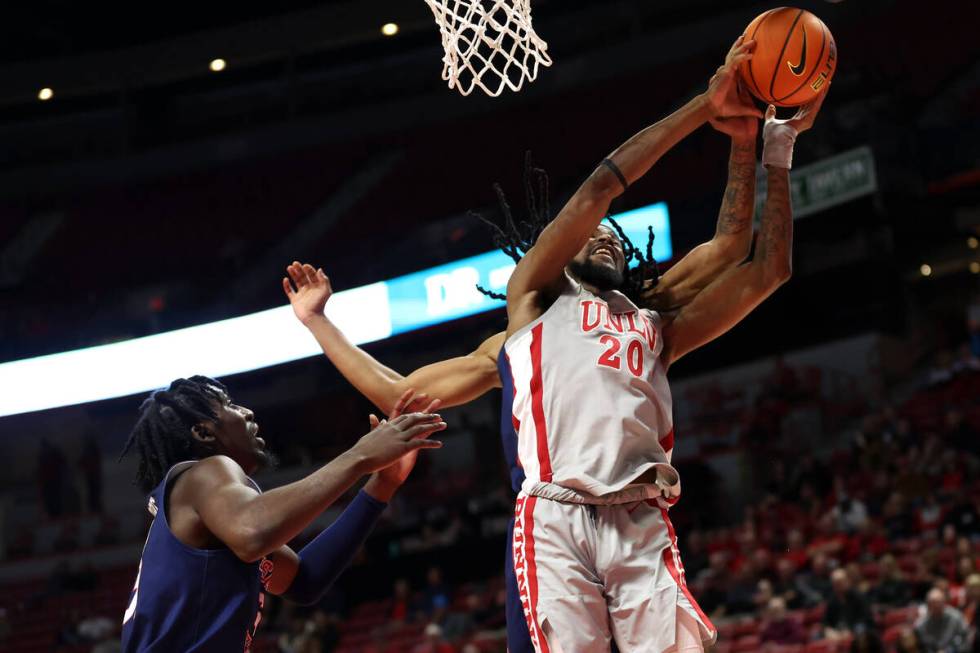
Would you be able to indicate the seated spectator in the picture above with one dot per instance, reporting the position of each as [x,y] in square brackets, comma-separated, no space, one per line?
[908,642]
[401,602]
[846,609]
[779,627]
[435,600]
[942,629]
[892,588]
[95,628]
[434,642]
[815,585]
[785,584]
[866,640]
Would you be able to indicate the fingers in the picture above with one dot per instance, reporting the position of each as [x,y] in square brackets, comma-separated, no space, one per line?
[409,420]
[423,431]
[310,273]
[402,402]
[295,271]
[770,112]
[373,421]
[415,445]
[287,287]
[433,406]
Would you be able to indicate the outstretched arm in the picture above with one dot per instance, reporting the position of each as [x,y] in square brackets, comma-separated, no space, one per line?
[454,381]
[541,270]
[728,299]
[733,232]
[253,525]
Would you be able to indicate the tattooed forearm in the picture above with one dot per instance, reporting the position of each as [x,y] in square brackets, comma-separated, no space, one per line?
[775,241]
[735,216]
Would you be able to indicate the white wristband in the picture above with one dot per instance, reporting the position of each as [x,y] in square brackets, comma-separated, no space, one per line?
[777,144]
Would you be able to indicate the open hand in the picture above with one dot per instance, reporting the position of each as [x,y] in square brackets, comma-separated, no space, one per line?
[722,95]
[390,440]
[396,473]
[311,292]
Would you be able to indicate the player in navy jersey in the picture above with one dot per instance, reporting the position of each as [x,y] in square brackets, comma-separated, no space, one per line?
[217,543]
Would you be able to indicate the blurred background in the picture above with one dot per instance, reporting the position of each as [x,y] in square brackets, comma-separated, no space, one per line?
[181,156]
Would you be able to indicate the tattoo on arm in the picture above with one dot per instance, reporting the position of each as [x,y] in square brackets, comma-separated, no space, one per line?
[739,202]
[776,231]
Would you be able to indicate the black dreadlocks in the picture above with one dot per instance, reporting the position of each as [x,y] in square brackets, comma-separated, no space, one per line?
[162,435]
[515,238]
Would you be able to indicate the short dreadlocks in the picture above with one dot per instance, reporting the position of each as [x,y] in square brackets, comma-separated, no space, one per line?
[515,238]
[162,435]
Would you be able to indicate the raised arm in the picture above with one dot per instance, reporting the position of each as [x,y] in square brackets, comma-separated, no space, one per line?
[732,239]
[541,270]
[728,299]
[454,381]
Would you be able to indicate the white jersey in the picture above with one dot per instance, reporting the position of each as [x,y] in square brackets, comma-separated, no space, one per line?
[591,401]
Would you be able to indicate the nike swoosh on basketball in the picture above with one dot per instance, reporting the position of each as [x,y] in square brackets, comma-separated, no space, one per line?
[798,68]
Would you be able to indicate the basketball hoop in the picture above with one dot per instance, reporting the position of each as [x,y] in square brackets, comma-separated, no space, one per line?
[488,43]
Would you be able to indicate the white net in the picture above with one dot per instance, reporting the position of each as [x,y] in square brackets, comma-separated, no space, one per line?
[489,44]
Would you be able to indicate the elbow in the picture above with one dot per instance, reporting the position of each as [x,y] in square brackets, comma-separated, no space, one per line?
[777,275]
[251,545]
[601,188]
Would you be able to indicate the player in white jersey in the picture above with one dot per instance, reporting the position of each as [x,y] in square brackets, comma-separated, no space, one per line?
[594,551]
[461,379]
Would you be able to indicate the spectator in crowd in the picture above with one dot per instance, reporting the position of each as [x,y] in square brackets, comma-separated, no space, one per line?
[401,602]
[866,641]
[95,628]
[815,585]
[435,600]
[779,627]
[942,629]
[434,642]
[908,642]
[846,609]
[892,588]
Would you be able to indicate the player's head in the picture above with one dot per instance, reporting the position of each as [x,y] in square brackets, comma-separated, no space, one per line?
[192,419]
[601,261]
[515,238]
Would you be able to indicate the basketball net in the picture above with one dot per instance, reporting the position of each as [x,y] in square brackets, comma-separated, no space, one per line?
[489,44]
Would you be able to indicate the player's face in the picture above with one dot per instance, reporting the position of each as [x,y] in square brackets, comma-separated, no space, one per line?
[601,261]
[237,436]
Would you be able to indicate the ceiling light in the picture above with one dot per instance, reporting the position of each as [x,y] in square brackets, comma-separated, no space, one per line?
[925,269]
[972,242]
[389,29]
[217,65]
[45,94]
[975,267]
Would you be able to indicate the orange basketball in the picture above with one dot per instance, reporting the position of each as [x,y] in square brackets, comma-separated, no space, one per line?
[795,56]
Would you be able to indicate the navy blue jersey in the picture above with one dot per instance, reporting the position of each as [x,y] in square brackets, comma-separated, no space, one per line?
[508,424]
[188,599]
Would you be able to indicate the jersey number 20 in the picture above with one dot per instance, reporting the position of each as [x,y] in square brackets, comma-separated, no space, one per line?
[612,358]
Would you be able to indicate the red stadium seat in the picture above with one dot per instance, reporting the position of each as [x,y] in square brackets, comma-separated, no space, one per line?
[746,644]
[821,646]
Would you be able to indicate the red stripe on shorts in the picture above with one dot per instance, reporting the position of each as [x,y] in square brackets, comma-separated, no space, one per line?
[675,573]
[537,404]
[532,570]
[667,442]
[526,569]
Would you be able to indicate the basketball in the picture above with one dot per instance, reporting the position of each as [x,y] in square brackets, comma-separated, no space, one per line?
[795,57]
